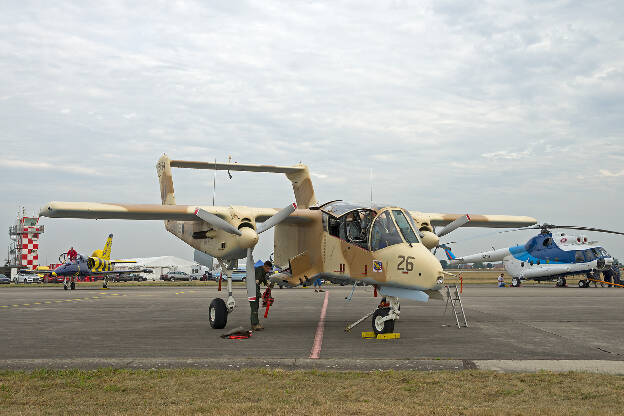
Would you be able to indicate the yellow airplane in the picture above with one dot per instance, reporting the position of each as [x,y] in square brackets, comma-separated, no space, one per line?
[98,264]
[385,246]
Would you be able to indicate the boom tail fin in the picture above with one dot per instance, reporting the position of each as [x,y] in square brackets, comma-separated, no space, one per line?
[163,168]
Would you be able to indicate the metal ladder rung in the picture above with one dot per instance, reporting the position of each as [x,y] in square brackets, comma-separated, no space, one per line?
[457,306]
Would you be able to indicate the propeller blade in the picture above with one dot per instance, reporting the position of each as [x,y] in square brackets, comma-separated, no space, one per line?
[251,276]
[277,218]
[453,225]
[217,222]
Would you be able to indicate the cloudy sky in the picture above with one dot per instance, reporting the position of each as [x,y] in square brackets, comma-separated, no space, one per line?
[480,107]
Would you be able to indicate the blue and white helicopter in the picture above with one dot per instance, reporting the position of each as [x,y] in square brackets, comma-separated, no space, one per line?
[550,256]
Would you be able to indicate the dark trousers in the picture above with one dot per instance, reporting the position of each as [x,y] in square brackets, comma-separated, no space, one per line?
[254,307]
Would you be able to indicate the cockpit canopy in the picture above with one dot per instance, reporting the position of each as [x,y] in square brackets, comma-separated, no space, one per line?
[369,228]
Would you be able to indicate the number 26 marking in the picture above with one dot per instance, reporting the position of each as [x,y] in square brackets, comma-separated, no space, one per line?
[405,263]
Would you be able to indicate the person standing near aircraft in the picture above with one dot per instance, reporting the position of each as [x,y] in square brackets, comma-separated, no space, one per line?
[501,280]
[72,254]
[261,273]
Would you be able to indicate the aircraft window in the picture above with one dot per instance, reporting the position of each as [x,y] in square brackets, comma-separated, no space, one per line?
[589,255]
[596,252]
[547,242]
[384,232]
[352,227]
[333,226]
[603,251]
[404,227]
[578,257]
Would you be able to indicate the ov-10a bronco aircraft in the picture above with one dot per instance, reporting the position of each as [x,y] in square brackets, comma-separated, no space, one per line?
[385,246]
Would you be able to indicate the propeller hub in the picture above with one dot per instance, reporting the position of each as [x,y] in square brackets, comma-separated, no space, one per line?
[248,237]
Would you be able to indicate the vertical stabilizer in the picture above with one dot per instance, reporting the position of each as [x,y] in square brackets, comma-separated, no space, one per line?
[163,168]
[302,187]
[106,253]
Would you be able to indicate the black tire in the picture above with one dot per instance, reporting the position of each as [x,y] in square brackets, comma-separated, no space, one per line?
[515,282]
[72,285]
[217,313]
[581,283]
[172,279]
[388,326]
[561,282]
[65,287]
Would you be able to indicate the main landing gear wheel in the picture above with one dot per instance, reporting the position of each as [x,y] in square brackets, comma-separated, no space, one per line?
[217,313]
[515,282]
[561,282]
[380,326]
[583,283]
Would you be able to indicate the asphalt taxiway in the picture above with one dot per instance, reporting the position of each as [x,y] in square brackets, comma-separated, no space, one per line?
[510,329]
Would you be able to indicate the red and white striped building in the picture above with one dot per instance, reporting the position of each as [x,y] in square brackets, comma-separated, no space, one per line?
[24,247]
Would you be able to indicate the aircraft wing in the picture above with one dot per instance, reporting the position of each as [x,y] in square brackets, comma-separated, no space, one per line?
[108,273]
[477,220]
[94,210]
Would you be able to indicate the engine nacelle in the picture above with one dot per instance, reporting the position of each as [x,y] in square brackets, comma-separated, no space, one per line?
[429,239]
[97,264]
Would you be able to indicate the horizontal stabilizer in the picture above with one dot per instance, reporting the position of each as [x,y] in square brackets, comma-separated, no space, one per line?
[402,293]
[189,164]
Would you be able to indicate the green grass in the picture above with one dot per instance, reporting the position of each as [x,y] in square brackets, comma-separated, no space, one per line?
[269,392]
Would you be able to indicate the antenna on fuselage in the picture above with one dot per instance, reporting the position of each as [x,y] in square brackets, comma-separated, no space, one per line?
[371,187]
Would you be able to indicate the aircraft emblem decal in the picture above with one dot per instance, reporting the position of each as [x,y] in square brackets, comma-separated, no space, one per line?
[377,266]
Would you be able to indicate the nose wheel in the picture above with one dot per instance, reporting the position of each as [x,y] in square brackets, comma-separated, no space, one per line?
[386,315]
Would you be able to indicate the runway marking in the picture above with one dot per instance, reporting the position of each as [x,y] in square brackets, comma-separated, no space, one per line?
[318,338]
[25,304]
[37,303]
[4,306]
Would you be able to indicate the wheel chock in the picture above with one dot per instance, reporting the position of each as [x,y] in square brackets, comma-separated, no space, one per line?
[393,335]
[371,335]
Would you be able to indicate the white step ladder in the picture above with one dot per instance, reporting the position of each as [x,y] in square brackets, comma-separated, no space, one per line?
[453,296]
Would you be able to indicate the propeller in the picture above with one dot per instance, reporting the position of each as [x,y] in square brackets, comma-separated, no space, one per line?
[450,227]
[280,216]
[249,237]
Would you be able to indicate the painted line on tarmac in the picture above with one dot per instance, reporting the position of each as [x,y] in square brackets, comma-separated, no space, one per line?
[318,338]
[48,302]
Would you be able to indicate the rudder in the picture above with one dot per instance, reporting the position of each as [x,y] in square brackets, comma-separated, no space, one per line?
[163,168]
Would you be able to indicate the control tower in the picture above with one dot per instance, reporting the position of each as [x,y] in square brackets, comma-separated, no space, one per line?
[24,244]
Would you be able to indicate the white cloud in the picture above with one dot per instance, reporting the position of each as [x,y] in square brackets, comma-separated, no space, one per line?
[60,167]
[610,174]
